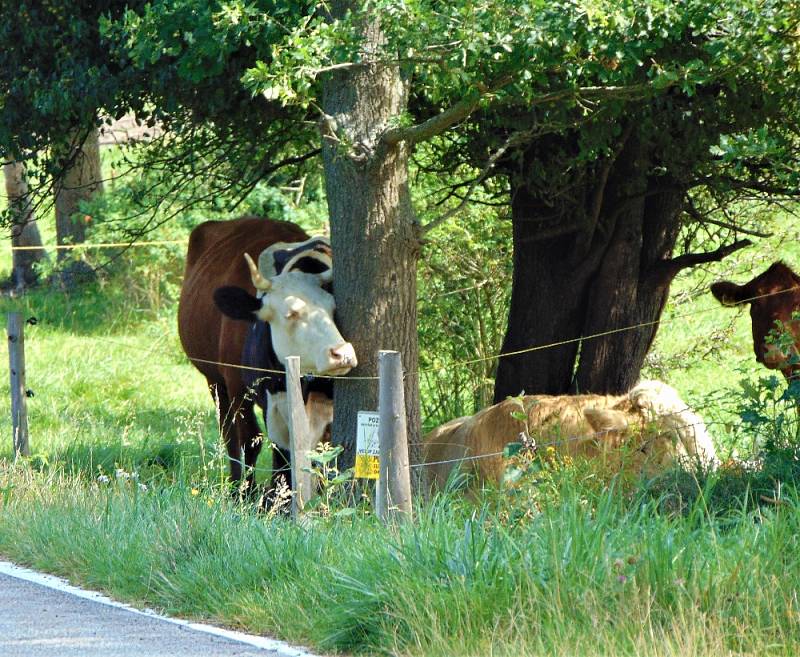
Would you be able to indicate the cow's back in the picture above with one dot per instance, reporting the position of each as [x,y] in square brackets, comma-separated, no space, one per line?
[439,448]
[555,420]
[215,258]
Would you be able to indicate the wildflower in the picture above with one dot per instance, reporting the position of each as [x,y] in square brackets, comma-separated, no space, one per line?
[622,578]
[121,474]
[103,479]
[618,564]
[195,492]
[143,488]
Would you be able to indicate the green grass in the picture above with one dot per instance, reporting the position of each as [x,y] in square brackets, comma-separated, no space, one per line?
[563,570]
[111,386]
[588,574]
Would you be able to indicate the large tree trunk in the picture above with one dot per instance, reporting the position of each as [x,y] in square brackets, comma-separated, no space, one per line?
[603,265]
[374,242]
[547,306]
[629,290]
[81,180]
[24,231]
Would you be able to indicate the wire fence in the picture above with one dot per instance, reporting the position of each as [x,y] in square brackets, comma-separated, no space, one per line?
[97,245]
[463,363]
[496,356]
[560,441]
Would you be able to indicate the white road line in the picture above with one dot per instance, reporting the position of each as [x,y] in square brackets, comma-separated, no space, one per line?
[59,584]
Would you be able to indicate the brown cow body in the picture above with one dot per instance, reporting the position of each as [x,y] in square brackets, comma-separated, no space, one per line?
[216,272]
[645,431]
[773,296]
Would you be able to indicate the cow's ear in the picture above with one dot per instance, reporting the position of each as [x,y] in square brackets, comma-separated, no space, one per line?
[730,294]
[237,303]
[605,419]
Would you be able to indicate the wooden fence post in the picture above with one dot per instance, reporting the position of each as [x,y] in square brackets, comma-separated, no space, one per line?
[299,435]
[393,492]
[16,362]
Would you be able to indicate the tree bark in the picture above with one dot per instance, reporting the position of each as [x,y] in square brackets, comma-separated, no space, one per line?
[375,243]
[82,179]
[547,306]
[24,230]
[630,289]
[603,265]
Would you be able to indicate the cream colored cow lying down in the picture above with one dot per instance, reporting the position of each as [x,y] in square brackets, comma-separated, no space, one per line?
[647,430]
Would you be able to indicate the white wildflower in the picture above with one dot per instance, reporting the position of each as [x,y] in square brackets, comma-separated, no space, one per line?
[103,479]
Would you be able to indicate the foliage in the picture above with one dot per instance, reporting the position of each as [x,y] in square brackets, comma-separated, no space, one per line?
[464,286]
[336,488]
[213,134]
[555,566]
[57,74]
[582,573]
[715,73]
[707,81]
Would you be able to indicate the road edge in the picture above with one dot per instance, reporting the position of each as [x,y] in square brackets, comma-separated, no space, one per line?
[60,584]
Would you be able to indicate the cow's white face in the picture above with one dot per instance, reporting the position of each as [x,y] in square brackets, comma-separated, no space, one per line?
[300,316]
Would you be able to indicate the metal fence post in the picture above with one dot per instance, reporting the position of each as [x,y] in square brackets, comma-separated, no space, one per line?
[16,361]
[299,436]
[393,492]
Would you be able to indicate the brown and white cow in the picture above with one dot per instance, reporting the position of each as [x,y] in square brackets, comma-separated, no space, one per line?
[773,296]
[645,431]
[232,316]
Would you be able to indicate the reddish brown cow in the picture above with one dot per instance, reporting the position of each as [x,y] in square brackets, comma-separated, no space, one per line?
[773,297]
[292,314]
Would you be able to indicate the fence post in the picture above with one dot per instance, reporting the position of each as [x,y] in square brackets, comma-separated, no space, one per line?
[298,438]
[393,492]
[16,362]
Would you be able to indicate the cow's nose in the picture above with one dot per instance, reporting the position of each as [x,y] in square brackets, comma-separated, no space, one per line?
[344,355]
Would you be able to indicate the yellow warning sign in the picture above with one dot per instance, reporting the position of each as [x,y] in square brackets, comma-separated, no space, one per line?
[367,446]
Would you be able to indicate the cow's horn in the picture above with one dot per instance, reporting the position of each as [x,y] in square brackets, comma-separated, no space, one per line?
[259,282]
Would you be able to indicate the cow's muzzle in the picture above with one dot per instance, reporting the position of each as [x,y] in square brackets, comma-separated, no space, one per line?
[341,359]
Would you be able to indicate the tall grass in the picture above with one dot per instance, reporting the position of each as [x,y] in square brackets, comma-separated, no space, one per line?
[592,574]
[126,491]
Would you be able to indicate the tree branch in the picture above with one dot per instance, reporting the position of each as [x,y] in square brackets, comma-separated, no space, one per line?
[512,140]
[701,218]
[754,185]
[433,126]
[436,125]
[667,269]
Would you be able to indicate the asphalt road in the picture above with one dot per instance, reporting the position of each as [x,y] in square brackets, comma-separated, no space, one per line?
[39,621]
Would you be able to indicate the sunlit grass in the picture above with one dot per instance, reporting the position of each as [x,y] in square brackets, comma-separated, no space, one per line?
[110,385]
[588,574]
[127,492]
